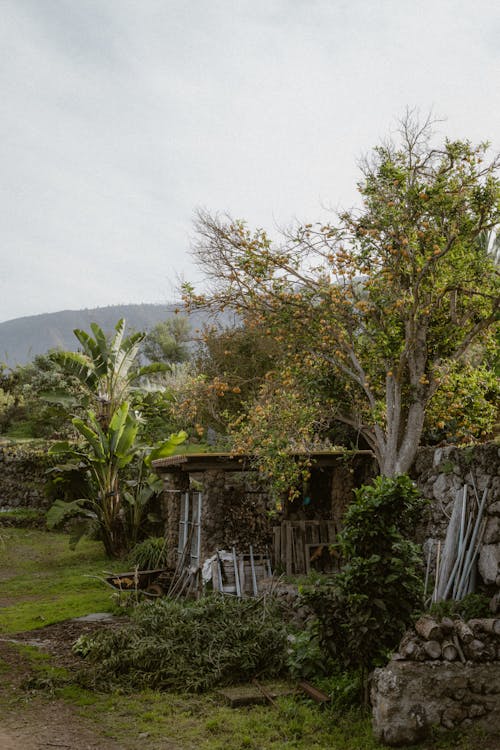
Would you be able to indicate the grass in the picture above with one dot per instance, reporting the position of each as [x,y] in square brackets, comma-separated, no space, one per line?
[202,722]
[42,581]
[45,581]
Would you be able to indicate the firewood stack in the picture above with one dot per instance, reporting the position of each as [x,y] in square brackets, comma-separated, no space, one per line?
[451,640]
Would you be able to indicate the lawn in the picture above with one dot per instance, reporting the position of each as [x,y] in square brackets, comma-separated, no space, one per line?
[43,581]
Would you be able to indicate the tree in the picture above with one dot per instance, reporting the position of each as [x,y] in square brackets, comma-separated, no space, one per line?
[37,397]
[166,342]
[383,301]
[232,363]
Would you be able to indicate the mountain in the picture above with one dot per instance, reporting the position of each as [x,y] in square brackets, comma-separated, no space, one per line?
[21,339]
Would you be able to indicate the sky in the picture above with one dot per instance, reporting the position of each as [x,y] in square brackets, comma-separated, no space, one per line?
[119,118]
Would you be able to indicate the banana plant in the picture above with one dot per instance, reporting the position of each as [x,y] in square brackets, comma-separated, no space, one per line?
[144,485]
[104,452]
[107,367]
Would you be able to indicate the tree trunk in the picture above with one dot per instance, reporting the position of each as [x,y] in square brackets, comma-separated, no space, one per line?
[398,459]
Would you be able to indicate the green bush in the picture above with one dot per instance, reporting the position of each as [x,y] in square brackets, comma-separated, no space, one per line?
[364,610]
[306,658]
[188,646]
[344,688]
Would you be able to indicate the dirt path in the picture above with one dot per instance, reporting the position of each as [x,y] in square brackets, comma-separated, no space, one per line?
[32,720]
[45,726]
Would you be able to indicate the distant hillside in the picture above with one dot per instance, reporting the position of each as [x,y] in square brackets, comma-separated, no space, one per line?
[22,339]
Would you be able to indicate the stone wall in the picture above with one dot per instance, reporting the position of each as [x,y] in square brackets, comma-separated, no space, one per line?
[23,477]
[411,699]
[441,474]
[445,675]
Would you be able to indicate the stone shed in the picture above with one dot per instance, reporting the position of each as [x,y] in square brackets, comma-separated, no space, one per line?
[218,501]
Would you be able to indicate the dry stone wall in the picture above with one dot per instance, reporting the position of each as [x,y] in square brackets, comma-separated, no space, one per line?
[441,474]
[411,699]
[446,675]
[23,476]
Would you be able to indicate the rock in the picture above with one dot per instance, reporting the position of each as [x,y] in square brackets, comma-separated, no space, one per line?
[492,531]
[489,563]
[495,603]
[440,488]
[453,715]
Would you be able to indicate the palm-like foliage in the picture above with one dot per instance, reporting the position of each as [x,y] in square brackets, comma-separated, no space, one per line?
[104,453]
[107,367]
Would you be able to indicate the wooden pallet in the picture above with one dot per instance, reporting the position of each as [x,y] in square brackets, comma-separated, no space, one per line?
[298,544]
[241,576]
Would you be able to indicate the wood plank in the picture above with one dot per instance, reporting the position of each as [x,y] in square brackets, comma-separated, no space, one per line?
[289,550]
[248,695]
[283,545]
[318,695]
[276,546]
[332,532]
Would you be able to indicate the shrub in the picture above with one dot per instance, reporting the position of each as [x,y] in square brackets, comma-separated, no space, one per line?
[471,606]
[306,658]
[188,646]
[365,609]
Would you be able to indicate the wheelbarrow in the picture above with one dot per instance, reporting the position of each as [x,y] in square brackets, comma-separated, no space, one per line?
[151,582]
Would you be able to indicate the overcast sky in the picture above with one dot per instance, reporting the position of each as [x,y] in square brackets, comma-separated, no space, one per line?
[120,117]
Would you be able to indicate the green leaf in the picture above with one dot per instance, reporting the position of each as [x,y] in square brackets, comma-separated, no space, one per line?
[61,511]
[167,448]
[97,443]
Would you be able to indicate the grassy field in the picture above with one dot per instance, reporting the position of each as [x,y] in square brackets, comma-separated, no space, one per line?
[42,581]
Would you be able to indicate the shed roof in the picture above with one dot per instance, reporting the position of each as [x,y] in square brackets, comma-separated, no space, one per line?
[233,462]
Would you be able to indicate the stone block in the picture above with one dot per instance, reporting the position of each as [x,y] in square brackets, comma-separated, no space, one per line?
[441,487]
[412,699]
[489,563]
[492,531]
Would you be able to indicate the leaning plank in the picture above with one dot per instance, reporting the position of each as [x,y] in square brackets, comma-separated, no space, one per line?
[318,695]
[289,549]
[459,648]
[473,549]
[450,548]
